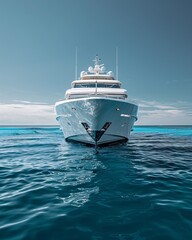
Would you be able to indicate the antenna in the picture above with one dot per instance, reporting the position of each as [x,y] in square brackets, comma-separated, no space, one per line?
[76,64]
[97,59]
[117,63]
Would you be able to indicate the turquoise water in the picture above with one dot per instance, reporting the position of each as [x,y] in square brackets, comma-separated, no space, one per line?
[50,189]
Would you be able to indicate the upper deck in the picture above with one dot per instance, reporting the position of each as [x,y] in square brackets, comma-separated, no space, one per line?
[96,81]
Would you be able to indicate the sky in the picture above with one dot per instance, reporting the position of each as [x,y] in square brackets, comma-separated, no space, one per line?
[38,40]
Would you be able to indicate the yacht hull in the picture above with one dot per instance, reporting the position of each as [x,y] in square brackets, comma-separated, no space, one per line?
[96,120]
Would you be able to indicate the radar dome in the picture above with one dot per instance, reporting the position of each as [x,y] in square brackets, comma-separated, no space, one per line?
[110,73]
[103,69]
[82,73]
[90,69]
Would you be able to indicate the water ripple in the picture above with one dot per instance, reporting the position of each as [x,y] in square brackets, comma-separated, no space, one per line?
[50,189]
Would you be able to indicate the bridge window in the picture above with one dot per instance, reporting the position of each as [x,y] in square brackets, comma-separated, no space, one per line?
[93,85]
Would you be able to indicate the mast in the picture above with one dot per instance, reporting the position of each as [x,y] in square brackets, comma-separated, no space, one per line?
[76,64]
[97,60]
[117,63]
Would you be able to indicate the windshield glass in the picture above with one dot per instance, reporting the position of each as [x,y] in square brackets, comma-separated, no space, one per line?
[93,85]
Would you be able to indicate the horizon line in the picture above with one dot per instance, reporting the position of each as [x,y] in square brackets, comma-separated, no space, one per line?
[52,125]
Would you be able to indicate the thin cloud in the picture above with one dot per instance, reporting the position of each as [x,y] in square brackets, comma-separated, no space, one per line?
[27,113]
[165,107]
[156,113]
[28,102]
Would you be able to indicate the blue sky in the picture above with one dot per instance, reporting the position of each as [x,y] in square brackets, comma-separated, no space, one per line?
[38,39]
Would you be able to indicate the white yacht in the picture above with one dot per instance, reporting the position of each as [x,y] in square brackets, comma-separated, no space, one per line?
[95,110]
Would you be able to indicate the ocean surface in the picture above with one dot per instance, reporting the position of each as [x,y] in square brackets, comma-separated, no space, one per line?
[53,190]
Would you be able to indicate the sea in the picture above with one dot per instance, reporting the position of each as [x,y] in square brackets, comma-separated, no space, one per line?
[54,190]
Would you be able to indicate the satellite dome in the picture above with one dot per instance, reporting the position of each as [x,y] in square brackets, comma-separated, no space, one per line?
[110,73]
[103,69]
[82,73]
[90,69]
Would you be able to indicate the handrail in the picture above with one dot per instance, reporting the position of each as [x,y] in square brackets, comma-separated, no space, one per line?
[97,94]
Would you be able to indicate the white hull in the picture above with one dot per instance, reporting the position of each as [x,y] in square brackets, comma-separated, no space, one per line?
[96,120]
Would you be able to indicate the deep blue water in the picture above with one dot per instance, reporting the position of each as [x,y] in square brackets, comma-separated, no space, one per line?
[50,189]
